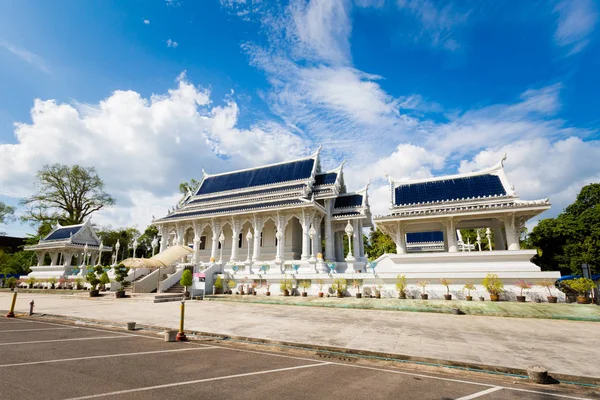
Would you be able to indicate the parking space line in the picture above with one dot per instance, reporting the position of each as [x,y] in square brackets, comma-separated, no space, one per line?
[37,329]
[177,384]
[67,340]
[141,353]
[482,393]
[564,396]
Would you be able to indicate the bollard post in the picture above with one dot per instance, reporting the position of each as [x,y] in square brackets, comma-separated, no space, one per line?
[181,335]
[31,307]
[11,313]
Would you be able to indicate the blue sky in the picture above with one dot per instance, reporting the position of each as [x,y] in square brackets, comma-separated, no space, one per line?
[151,92]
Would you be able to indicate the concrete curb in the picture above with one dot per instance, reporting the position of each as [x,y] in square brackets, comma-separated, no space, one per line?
[340,352]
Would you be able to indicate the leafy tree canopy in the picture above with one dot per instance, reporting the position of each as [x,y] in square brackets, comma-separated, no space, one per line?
[65,194]
[573,237]
[6,213]
[185,187]
[379,244]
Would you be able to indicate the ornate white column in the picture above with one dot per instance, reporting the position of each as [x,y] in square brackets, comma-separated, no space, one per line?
[400,239]
[305,222]
[40,257]
[53,258]
[164,237]
[235,228]
[356,236]
[197,234]
[361,241]
[68,259]
[180,234]
[329,240]
[257,224]
[248,240]
[451,235]
[216,230]
[498,236]
[512,233]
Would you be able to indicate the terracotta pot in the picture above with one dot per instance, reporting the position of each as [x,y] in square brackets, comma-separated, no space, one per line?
[494,297]
[402,295]
[481,298]
[582,300]
[424,296]
[321,294]
[304,294]
[448,296]
[359,295]
[552,299]
[378,295]
[94,293]
[120,294]
[286,292]
[254,293]
[340,295]
[469,298]
[268,293]
[521,299]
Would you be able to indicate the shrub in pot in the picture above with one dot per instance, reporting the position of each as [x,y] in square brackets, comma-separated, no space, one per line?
[423,285]
[468,287]
[321,283]
[401,286]
[493,285]
[304,284]
[339,286]
[219,284]
[30,282]
[78,283]
[121,272]
[12,282]
[447,283]
[268,293]
[52,281]
[285,285]
[582,286]
[93,279]
[521,284]
[186,281]
[356,284]
[378,291]
[231,283]
[548,284]
[104,280]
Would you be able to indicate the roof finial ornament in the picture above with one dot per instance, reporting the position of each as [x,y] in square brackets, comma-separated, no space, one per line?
[502,161]
[204,174]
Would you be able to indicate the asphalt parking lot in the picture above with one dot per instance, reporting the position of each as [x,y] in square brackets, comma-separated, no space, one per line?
[40,359]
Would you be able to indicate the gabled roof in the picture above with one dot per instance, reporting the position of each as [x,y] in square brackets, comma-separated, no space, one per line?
[296,170]
[327,178]
[489,183]
[63,232]
[350,200]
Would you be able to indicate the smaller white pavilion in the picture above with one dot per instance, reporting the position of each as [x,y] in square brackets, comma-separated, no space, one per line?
[70,248]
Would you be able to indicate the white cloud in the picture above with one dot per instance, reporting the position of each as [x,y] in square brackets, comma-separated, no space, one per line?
[172,43]
[25,55]
[576,21]
[146,22]
[141,147]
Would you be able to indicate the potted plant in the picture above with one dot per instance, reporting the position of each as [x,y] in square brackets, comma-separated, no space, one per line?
[523,286]
[548,283]
[254,286]
[339,286]
[186,281]
[401,286]
[219,284]
[231,283]
[242,286]
[493,285]
[12,282]
[321,283]
[447,283]
[468,287]
[78,283]
[305,284]
[268,292]
[121,272]
[582,286]
[423,284]
[104,280]
[52,281]
[93,279]
[356,284]
[62,283]
[285,285]
[30,282]
[379,290]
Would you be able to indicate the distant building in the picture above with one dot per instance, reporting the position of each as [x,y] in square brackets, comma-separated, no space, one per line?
[11,244]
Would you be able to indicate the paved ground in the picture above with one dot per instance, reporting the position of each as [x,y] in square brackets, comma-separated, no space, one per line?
[49,360]
[564,347]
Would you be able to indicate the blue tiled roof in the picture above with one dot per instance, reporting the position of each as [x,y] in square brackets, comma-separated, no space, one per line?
[421,237]
[63,233]
[256,177]
[325,179]
[449,189]
[353,200]
[250,193]
[234,209]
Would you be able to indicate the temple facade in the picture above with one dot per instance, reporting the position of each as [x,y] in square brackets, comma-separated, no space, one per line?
[278,218]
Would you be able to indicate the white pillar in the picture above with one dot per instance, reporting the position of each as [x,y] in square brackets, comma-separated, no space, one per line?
[400,239]
[215,245]
[451,236]
[356,242]
[68,259]
[40,257]
[257,226]
[196,255]
[305,237]
[498,236]
[93,259]
[316,242]
[329,240]
[53,258]
[235,229]
[512,234]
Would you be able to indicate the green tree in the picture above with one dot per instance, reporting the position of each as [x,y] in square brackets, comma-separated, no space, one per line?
[573,237]
[186,279]
[379,243]
[65,194]
[6,214]
[191,186]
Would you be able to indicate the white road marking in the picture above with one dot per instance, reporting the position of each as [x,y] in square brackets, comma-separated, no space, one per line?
[37,329]
[482,393]
[177,384]
[66,340]
[105,356]
[546,393]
